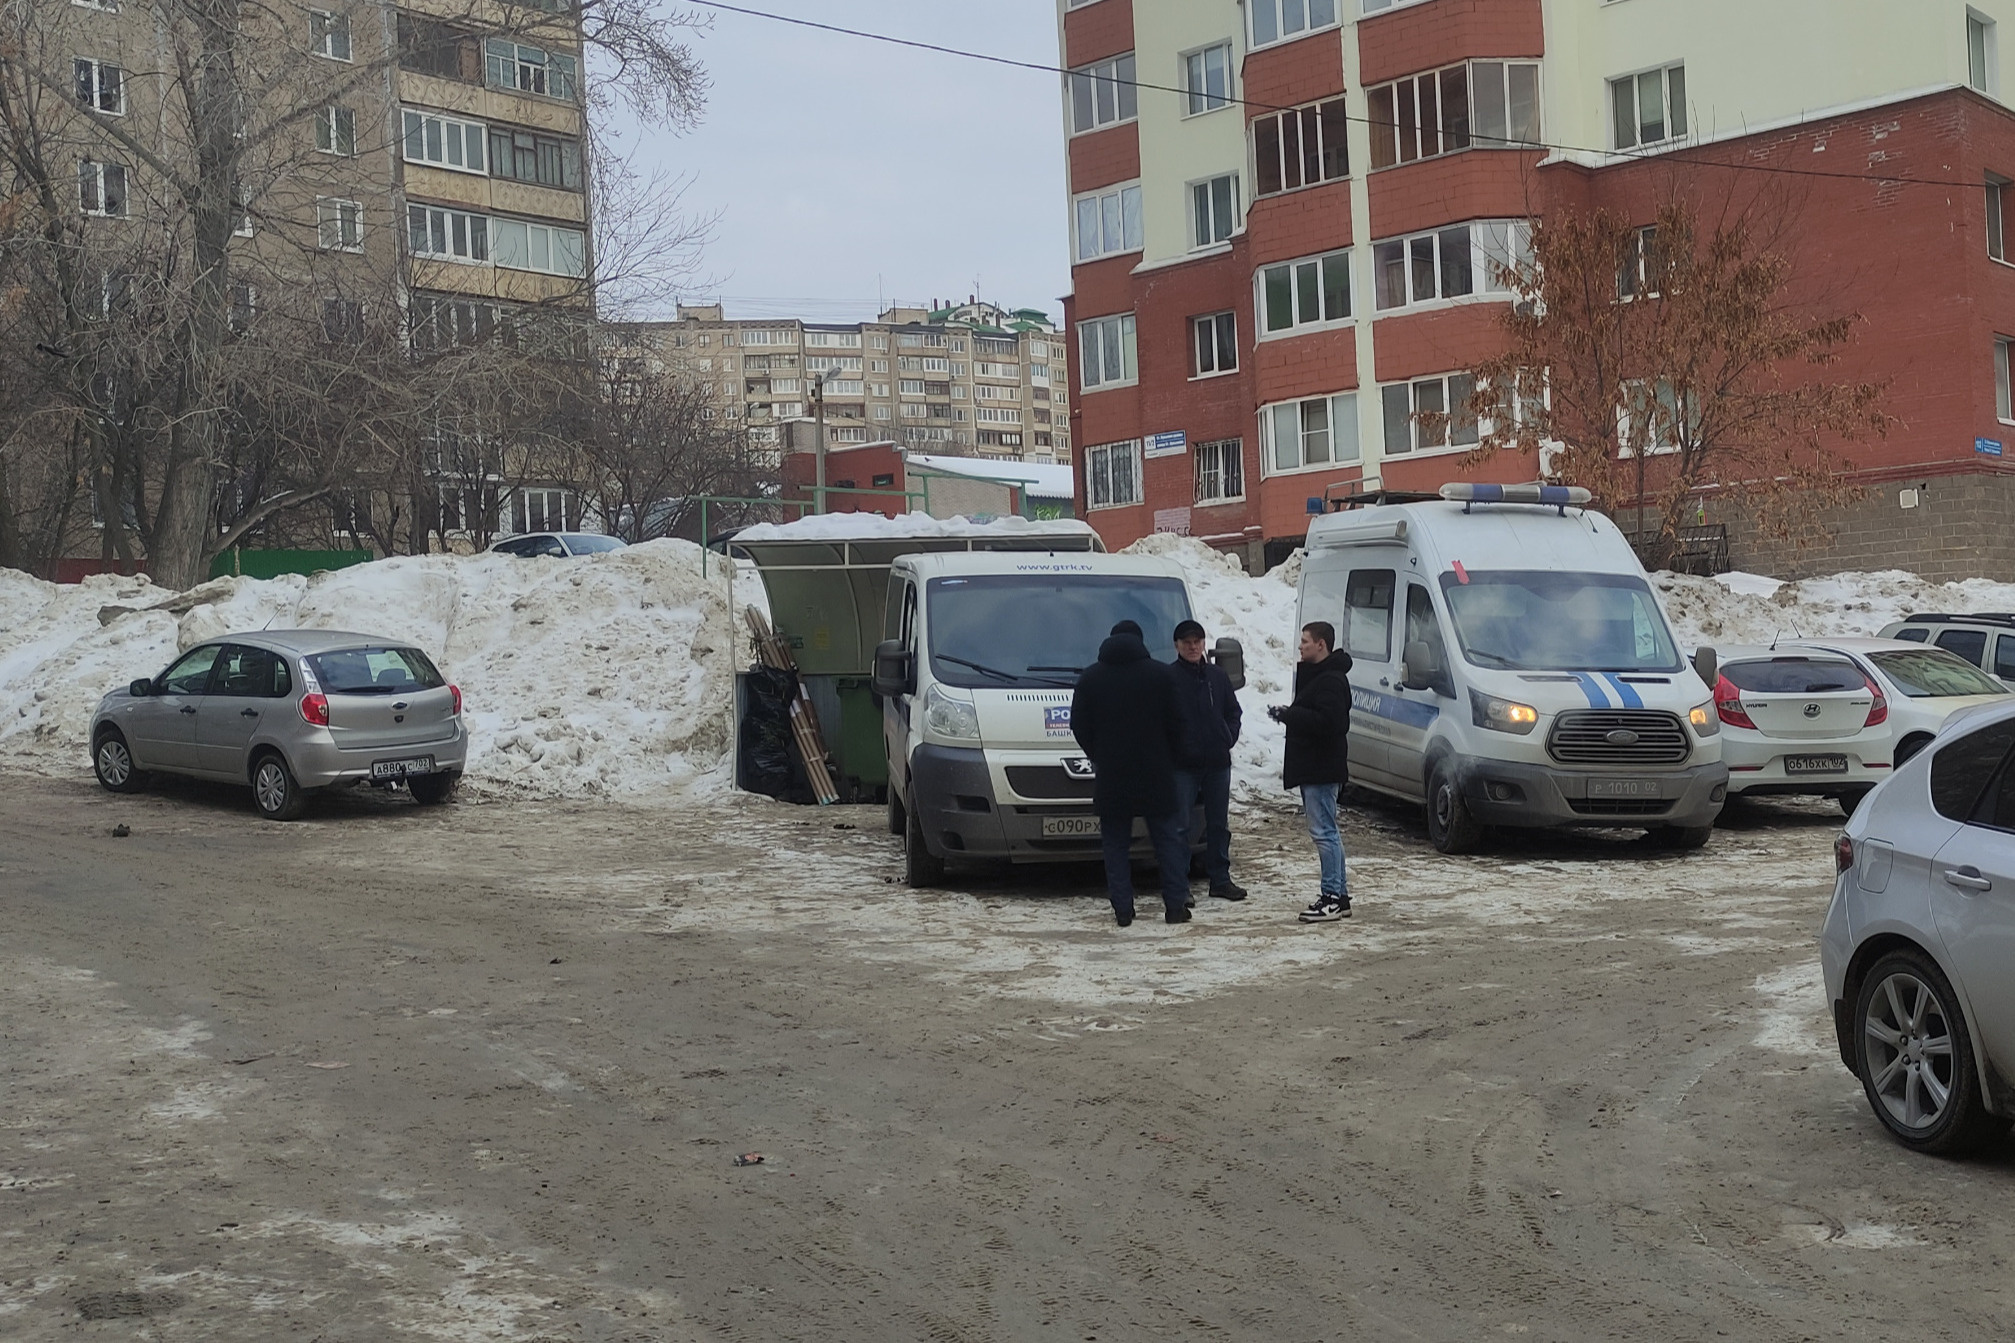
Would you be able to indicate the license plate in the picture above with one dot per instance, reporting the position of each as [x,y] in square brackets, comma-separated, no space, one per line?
[1815,764]
[399,769]
[1625,788]
[1069,827]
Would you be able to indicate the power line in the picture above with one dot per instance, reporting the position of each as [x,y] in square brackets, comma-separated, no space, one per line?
[1662,156]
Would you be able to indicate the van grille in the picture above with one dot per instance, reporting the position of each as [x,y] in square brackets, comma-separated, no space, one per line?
[1046,781]
[1582,738]
[1616,806]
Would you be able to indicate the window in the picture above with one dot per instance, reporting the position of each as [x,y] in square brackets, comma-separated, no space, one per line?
[1453,262]
[329,34]
[1504,103]
[994,414]
[191,675]
[342,321]
[1422,627]
[987,391]
[1312,292]
[1213,210]
[1112,475]
[539,247]
[528,157]
[1299,147]
[1278,20]
[336,131]
[1650,107]
[1486,104]
[911,386]
[1220,471]
[1367,614]
[339,225]
[1428,413]
[540,511]
[513,65]
[252,673]
[1215,341]
[2003,408]
[1642,269]
[1968,644]
[427,47]
[1316,431]
[101,189]
[443,323]
[1962,769]
[448,235]
[1103,94]
[1107,355]
[444,141]
[1979,51]
[1653,413]
[101,87]
[1206,79]
[244,307]
[241,204]
[1996,201]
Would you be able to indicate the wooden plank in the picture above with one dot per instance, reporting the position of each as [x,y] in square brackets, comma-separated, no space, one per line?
[774,651]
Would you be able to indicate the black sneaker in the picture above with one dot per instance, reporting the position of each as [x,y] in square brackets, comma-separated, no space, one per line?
[1231,890]
[1327,909]
[1180,914]
[1122,917]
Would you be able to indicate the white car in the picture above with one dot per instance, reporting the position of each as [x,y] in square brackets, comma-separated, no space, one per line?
[1924,686]
[1919,940]
[1800,720]
[557,544]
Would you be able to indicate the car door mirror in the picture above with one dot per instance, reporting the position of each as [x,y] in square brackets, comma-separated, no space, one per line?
[1418,670]
[141,689]
[1707,666]
[1229,655]
[893,671]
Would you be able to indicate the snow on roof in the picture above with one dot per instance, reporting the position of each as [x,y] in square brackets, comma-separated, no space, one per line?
[910,526]
[1040,480]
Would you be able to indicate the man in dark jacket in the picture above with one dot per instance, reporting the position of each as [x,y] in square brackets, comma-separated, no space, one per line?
[1318,757]
[1210,722]
[1125,718]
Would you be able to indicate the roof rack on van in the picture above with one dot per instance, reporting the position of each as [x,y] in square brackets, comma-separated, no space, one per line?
[1562,497]
[1982,618]
[1373,498]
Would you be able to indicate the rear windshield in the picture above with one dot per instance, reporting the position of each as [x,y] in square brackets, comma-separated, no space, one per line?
[375,671]
[1793,676]
[1928,673]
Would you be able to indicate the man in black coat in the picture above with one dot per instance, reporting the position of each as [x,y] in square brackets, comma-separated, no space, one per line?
[1318,757]
[1210,721]
[1125,719]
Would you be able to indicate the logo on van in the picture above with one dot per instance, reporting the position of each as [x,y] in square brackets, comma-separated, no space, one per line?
[1623,736]
[1056,720]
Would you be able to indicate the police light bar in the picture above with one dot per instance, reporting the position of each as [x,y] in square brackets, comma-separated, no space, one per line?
[1560,496]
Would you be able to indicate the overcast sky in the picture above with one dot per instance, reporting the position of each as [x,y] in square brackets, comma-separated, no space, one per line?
[850,174]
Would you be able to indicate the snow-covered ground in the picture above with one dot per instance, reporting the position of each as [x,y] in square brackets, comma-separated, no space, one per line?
[610,674]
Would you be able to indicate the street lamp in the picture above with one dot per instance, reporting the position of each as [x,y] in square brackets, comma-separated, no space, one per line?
[819,411]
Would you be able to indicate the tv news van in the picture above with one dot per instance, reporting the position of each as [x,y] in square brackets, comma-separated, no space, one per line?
[1511,666]
[981,654]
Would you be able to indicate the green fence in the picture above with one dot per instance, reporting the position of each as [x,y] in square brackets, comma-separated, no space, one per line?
[273,563]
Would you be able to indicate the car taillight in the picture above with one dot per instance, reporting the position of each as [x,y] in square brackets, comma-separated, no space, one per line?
[1878,712]
[1728,703]
[315,708]
[455,693]
[1843,854]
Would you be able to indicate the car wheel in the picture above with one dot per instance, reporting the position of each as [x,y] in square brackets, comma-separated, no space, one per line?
[1850,801]
[112,762]
[1450,826]
[1682,837]
[899,819]
[922,867]
[1910,746]
[275,791]
[431,790]
[1915,1056]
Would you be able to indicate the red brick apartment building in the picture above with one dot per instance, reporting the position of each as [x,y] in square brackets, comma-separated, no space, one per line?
[1283,214]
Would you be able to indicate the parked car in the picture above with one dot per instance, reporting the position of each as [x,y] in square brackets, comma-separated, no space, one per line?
[287,712]
[1987,641]
[1920,936]
[560,544]
[1801,721]
[1924,686]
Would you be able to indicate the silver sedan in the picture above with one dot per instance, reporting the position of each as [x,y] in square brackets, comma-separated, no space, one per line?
[287,712]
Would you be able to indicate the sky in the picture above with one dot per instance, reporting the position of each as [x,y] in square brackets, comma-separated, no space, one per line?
[849,174]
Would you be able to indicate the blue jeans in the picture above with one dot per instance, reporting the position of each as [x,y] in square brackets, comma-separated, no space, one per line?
[1170,854]
[1318,802]
[1213,787]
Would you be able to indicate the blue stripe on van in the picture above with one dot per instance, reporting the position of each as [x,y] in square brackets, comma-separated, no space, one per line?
[1631,699]
[1413,713]
[1589,687]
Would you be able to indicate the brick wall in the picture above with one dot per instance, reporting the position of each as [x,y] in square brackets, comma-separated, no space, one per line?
[1422,37]
[1960,528]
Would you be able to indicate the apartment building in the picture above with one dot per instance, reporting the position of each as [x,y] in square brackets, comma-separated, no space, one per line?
[1284,215]
[968,378]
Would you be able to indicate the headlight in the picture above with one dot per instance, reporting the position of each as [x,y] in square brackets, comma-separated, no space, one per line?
[1502,715]
[1705,721]
[948,717]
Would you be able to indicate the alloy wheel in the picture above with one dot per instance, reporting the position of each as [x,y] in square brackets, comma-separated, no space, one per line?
[1909,1041]
[115,762]
[270,786]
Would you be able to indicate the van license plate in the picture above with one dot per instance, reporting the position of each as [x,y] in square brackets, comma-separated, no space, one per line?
[399,769]
[1815,764]
[1625,788]
[1069,827]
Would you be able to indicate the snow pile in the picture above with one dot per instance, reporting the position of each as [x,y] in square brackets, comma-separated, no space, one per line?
[607,674]
[1743,608]
[910,526]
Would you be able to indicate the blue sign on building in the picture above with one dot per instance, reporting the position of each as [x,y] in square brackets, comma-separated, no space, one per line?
[1987,447]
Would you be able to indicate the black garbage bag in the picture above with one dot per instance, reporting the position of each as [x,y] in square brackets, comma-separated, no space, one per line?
[768,757]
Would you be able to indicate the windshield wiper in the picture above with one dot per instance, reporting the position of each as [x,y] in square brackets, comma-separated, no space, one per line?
[1477,654]
[1078,671]
[979,667]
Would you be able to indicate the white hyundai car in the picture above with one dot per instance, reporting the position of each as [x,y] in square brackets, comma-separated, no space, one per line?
[1919,943]
[1801,720]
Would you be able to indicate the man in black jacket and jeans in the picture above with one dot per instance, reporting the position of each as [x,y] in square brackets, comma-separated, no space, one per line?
[1318,757]
[1125,718]
[1210,720]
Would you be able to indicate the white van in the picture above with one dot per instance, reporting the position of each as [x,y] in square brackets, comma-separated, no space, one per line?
[976,671]
[1511,666]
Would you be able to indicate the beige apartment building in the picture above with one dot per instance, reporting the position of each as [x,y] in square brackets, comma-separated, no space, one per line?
[971,378]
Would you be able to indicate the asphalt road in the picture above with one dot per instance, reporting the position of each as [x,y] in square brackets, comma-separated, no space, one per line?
[481,1072]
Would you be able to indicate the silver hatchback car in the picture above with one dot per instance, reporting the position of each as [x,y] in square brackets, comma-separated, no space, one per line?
[287,712]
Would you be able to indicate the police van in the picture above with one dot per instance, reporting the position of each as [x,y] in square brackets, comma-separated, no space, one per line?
[1511,666]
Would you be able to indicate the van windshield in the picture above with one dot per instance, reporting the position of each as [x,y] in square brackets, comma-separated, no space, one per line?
[1545,620]
[1043,629]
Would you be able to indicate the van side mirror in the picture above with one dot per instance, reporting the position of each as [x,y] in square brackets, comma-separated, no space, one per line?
[893,673]
[1229,655]
[141,688]
[1420,667]
[1707,666]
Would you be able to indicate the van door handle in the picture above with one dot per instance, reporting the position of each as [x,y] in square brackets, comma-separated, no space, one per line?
[1386,682]
[188,708]
[248,713]
[1968,878]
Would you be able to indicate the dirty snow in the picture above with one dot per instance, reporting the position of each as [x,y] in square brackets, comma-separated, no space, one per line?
[1749,609]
